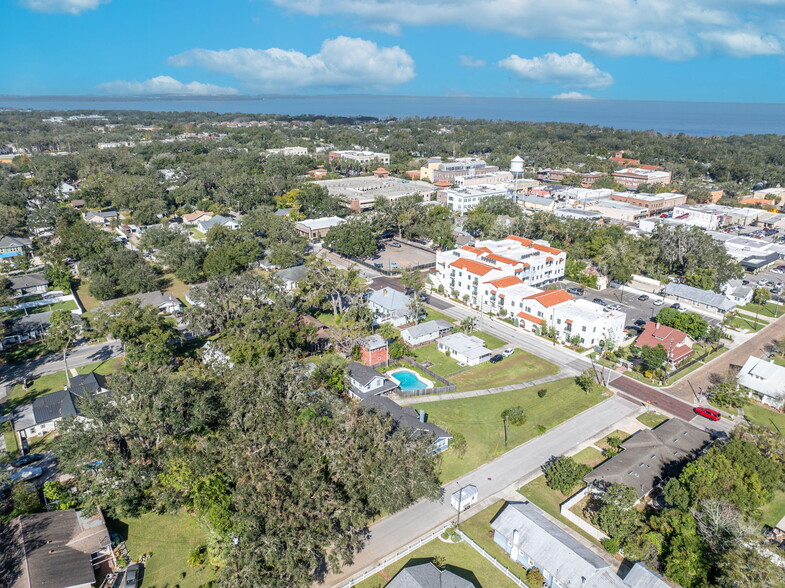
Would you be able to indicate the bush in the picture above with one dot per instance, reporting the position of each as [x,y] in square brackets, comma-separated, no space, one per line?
[542,392]
[534,578]
[514,415]
[458,444]
[198,556]
[614,441]
[439,562]
[541,429]
[564,473]
[611,544]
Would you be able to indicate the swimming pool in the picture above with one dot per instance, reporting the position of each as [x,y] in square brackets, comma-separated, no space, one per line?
[409,380]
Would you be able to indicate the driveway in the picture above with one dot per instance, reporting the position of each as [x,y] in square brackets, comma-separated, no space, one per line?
[502,475]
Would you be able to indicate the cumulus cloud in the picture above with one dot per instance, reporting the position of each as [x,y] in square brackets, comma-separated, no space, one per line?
[62,6]
[164,85]
[470,62]
[571,96]
[742,44]
[570,70]
[341,63]
[668,29]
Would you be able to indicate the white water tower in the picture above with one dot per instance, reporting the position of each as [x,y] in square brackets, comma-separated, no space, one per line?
[516,165]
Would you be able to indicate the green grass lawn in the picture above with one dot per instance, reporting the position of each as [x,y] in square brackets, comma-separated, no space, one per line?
[770,309]
[652,419]
[431,314]
[11,446]
[42,443]
[741,322]
[170,538]
[66,305]
[491,342]
[23,352]
[773,511]
[519,367]
[441,364]
[479,419]
[603,443]
[478,527]
[760,415]
[589,456]
[176,288]
[197,234]
[461,559]
[88,301]
[538,493]
[102,368]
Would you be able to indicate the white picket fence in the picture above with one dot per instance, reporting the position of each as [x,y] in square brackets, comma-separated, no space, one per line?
[503,569]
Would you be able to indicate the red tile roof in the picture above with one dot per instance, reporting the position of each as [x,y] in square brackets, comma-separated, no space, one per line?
[675,342]
[530,318]
[506,282]
[520,240]
[474,267]
[546,249]
[476,250]
[550,298]
[502,259]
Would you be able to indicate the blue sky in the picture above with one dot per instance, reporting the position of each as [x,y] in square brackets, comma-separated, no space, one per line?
[693,50]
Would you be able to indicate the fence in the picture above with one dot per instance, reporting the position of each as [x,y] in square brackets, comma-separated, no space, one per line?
[692,362]
[383,564]
[446,387]
[502,568]
[565,507]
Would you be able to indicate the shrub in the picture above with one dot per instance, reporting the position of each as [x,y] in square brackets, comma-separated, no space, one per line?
[614,441]
[198,556]
[611,544]
[541,429]
[564,473]
[439,562]
[542,392]
[534,578]
[458,444]
[514,415]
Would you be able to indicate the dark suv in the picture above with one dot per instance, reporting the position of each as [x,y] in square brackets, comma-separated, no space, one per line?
[496,358]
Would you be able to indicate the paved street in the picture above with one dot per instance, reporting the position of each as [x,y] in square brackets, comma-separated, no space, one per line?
[641,393]
[50,363]
[504,473]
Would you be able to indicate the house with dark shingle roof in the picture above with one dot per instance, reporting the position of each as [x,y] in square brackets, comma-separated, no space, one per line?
[408,418]
[428,575]
[13,246]
[28,284]
[166,303]
[366,381]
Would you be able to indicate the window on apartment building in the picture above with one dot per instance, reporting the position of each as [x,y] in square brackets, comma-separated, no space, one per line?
[583,329]
[539,313]
[583,340]
[558,321]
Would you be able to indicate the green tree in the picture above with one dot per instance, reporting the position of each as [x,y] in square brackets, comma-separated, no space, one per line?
[564,473]
[59,277]
[63,331]
[587,381]
[355,238]
[614,511]
[515,415]
[761,296]
[653,358]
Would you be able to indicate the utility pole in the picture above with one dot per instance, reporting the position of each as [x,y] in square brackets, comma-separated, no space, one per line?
[460,500]
[693,392]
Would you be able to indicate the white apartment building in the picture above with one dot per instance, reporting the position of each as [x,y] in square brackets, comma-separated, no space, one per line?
[499,177]
[633,177]
[462,200]
[588,323]
[360,156]
[436,169]
[470,271]
[288,151]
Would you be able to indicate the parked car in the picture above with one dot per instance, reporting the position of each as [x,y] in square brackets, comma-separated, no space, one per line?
[575,291]
[599,301]
[643,297]
[26,474]
[676,306]
[763,282]
[709,413]
[27,459]
[641,322]
[496,358]
[614,307]
[632,330]
[615,284]
[659,302]
[508,352]
[745,282]
[132,576]
[394,244]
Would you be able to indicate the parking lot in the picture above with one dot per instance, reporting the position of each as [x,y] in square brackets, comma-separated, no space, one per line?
[391,257]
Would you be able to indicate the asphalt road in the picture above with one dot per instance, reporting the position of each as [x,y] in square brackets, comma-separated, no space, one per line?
[508,471]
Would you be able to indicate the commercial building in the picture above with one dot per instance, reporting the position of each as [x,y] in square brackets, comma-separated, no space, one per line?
[359,193]
[499,177]
[288,151]
[533,203]
[437,169]
[632,177]
[713,216]
[462,200]
[360,156]
[653,203]
[587,324]
[702,299]
[557,175]
[317,228]
[619,211]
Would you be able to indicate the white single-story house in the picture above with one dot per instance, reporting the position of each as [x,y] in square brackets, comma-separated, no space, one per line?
[101,218]
[702,299]
[465,349]
[218,220]
[365,381]
[765,380]
[291,276]
[166,303]
[390,306]
[425,332]
[738,292]
[523,532]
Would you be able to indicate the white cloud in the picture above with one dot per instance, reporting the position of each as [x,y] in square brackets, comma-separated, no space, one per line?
[63,6]
[668,29]
[742,44]
[470,62]
[570,70]
[341,63]
[571,96]
[164,85]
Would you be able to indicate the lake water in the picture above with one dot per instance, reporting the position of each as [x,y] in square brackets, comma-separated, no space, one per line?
[692,118]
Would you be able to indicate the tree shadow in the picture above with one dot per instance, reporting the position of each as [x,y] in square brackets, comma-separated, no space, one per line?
[116,526]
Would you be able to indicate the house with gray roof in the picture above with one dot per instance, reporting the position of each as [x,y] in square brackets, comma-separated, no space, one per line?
[651,457]
[765,381]
[738,292]
[639,576]
[425,332]
[26,328]
[428,575]
[408,418]
[463,348]
[390,306]
[165,303]
[702,299]
[101,218]
[218,220]
[25,284]
[13,246]
[365,381]
[291,276]
[523,531]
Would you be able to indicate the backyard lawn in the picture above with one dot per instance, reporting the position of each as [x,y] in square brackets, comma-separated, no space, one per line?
[461,559]
[519,367]
[589,456]
[477,528]
[440,363]
[88,300]
[479,420]
[176,288]
[770,309]
[652,419]
[760,415]
[773,511]
[170,538]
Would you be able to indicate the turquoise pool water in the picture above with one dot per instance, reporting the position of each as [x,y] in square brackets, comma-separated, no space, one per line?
[409,380]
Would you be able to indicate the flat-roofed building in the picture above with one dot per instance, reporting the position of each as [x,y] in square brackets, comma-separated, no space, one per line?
[436,169]
[632,177]
[462,200]
[359,193]
[317,228]
[654,203]
[360,156]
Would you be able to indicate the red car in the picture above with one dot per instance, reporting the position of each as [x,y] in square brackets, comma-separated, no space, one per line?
[707,412]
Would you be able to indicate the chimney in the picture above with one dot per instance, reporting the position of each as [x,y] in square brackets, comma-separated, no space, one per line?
[422,416]
[384,292]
